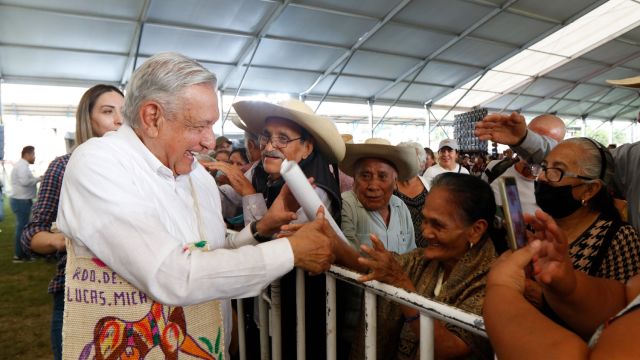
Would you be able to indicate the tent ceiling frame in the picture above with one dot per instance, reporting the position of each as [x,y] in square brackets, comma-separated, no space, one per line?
[134,48]
[346,56]
[590,76]
[252,48]
[526,45]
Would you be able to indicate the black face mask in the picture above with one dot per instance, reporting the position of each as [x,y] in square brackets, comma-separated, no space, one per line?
[556,201]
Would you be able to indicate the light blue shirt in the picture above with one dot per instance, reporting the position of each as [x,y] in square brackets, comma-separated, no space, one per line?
[358,223]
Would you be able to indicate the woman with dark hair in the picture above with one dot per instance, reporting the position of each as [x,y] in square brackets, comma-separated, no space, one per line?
[457,225]
[99,111]
[572,187]
[238,157]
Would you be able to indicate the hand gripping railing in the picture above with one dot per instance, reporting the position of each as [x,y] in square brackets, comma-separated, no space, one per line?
[429,310]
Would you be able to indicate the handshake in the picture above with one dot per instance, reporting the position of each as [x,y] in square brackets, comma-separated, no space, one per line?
[314,244]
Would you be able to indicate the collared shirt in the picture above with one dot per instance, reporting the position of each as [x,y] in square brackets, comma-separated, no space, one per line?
[23,183]
[121,204]
[358,223]
[44,213]
[436,170]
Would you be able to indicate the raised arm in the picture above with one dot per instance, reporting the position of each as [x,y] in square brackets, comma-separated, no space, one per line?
[517,330]
[383,266]
[512,130]
[582,301]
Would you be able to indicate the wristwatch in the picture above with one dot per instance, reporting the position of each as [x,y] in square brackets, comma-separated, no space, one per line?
[256,235]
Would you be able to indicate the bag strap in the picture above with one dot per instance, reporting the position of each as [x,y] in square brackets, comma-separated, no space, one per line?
[459,168]
[604,247]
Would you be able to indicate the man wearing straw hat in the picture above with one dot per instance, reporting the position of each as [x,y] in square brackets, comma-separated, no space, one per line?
[137,201]
[290,130]
[371,207]
[287,130]
[512,130]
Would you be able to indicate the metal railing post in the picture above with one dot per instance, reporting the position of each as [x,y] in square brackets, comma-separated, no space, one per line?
[276,335]
[427,343]
[300,316]
[331,317]
[264,328]
[370,325]
[242,340]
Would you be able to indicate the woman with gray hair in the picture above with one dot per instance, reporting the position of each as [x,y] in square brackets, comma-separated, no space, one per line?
[572,186]
[413,192]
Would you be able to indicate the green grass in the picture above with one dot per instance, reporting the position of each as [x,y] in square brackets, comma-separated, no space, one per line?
[25,305]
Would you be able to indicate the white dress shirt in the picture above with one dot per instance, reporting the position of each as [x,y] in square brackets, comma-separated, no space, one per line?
[120,203]
[23,183]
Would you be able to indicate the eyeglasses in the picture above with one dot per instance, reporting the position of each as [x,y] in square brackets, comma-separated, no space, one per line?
[555,174]
[278,142]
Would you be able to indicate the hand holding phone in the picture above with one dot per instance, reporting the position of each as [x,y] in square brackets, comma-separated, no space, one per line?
[516,228]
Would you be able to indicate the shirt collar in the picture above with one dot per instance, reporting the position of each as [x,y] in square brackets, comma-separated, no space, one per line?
[129,135]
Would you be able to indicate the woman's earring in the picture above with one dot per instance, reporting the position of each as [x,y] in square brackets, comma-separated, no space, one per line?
[470,245]
[584,202]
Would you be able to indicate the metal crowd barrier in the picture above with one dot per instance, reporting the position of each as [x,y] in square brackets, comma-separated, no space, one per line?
[429,310]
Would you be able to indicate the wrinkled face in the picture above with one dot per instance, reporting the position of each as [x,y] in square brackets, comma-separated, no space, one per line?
[566,157]
[106,115]
[447,157]
[190,132]
[237,160]
[374,182]
[445,232]
[283,131]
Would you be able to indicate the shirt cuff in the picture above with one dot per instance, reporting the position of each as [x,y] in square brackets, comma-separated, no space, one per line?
[278,257]
[242,238]
[528,146]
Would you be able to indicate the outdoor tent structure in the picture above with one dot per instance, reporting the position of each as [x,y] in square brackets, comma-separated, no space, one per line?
[418,53]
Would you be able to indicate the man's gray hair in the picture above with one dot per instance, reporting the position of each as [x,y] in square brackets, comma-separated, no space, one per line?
[162,78]
[420,153]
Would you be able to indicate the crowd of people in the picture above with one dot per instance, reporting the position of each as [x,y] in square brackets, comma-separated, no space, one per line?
[149,193]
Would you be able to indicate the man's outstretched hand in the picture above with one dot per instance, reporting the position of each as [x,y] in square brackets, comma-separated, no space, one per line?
[502,128]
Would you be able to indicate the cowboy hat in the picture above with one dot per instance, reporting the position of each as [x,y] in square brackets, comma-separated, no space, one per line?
[403,159]
[239,123]
[253,114]
[633,82]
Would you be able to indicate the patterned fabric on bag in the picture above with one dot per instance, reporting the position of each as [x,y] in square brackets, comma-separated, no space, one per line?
[105,317]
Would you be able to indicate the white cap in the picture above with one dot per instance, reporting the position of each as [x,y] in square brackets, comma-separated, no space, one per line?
[452,143]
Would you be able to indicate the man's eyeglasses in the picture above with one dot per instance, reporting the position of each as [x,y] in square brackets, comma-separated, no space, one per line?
[555,174]
[278,142]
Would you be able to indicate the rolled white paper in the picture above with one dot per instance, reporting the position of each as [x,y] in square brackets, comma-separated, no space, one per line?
[304,193]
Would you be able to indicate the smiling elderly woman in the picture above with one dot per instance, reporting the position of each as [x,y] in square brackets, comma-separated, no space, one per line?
[458,219]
